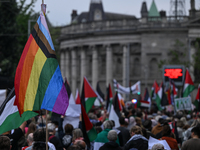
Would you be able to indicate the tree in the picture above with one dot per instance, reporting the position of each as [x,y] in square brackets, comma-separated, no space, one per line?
[196,57]
[13,33]
[177,55]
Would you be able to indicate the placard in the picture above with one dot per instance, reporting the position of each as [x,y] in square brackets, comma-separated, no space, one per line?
[183,103]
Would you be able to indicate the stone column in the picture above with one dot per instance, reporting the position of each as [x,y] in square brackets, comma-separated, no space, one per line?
[94,66]
[62,63]
[109,65]
[83,66]
[67,65]
[125,68]
[191,60]
[74,71]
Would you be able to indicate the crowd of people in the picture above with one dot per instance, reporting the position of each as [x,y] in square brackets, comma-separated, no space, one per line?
[181,131]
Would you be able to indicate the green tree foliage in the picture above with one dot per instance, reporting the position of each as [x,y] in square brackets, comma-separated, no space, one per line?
[197,61]
[13,33]
[177,55]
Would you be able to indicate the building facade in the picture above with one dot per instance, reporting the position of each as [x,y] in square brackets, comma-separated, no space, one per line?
[105,46]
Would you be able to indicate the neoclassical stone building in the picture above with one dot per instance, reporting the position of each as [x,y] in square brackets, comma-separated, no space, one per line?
[104,46]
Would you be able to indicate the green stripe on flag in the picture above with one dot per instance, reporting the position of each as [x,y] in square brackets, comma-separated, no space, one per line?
[89,103]
[14,120]
[92,134]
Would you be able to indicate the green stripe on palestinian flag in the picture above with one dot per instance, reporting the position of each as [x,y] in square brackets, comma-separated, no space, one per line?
[188,85]
[159,98]
[10,117]
[87,127]
[102,138]
[90,95]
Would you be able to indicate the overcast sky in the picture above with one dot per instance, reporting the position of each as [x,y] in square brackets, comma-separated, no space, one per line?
[59,11]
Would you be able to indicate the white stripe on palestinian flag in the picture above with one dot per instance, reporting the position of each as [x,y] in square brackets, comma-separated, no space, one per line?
[2,96]
[185,86]
[113,116]
[97,145]
[8,110]
[145,104]
[10,118]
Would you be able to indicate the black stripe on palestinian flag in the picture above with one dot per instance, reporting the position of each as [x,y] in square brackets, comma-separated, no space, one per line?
[115,111]
[10,117]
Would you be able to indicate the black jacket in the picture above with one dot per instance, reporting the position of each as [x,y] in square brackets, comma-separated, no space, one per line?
[139,143]
[110,146]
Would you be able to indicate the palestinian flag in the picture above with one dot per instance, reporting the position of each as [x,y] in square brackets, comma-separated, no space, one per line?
[174,91]
[146,95]
[88,94]
[89,133]
[197,99]
[161,98]
[164,100]
[115,111]
[109,98]
[9,114]
[77,98]
[188,85]
[154,90]
[2,95]
[38,80]
[69,93]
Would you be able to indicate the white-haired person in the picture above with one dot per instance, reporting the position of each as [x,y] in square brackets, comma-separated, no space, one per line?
[111,145]
[102,136]
[157,146]
[137,140]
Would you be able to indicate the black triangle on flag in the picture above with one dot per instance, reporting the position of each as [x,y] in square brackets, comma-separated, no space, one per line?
[164,100]
[8,98]
[99,91]
[146,95]
[116,104]
[83,115]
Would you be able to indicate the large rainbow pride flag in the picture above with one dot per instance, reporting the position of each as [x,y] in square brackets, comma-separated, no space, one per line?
[38,80]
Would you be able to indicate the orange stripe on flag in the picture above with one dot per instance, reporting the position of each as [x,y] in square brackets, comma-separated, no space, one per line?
[26,71]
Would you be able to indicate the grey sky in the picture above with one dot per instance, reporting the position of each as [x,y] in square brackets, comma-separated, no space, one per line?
[59,11]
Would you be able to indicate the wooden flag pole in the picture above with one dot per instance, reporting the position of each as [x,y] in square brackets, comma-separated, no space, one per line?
[47,137]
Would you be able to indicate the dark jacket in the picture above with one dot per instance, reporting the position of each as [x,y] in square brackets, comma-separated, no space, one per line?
[138,142]
[110,146]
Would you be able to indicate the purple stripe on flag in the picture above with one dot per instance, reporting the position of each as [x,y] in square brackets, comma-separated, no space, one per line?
[62,102]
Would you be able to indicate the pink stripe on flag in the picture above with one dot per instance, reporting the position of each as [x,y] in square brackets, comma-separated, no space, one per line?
[44,23]
[62,102]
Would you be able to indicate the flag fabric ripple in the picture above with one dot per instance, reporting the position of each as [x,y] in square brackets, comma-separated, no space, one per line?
[38,80]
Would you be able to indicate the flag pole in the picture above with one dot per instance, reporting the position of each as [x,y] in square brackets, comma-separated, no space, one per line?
[46,132]
[45,110]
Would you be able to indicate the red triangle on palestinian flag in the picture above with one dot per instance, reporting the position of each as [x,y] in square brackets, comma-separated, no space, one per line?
[188,85]
[77,98]
[88,94]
